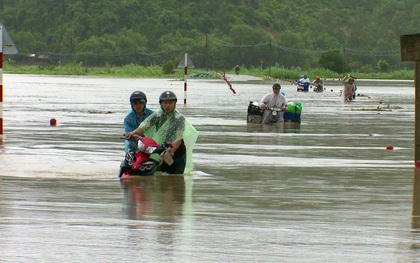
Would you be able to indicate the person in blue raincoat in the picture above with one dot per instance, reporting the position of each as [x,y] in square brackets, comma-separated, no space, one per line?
[168,125]
[139,112]
[304,82]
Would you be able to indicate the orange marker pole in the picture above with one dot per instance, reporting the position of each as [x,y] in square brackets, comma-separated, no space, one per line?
[185,77]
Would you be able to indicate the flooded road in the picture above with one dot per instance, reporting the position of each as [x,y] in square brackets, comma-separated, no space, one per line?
[327,190]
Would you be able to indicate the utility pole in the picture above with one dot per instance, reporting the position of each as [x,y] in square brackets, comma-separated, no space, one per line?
[207,54]
[410,51]
[271,61]
[344,60]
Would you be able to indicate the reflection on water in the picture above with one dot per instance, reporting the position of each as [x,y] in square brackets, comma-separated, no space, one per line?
[156,197]
[288,127]
[324,190]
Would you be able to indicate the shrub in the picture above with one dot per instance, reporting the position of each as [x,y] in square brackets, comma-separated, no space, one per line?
[168,67]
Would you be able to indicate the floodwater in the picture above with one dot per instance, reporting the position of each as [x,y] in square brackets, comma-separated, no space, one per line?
[327,190]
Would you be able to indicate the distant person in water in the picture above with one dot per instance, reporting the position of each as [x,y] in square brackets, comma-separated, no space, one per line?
[349,88]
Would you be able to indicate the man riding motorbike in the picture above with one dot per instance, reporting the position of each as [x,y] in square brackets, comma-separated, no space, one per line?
[319,84]
[274,101]
[303,83]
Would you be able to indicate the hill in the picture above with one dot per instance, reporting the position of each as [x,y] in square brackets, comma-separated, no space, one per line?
[355,35]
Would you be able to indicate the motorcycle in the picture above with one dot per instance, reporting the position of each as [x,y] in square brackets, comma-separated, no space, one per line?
[293,113]
[139,163]
[318,87]
[274,116]
[303,87]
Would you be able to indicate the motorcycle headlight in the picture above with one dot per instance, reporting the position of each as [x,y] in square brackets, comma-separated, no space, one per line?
[150,150]
[140,145]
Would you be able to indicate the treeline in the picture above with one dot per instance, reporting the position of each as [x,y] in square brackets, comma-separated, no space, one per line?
[339,35]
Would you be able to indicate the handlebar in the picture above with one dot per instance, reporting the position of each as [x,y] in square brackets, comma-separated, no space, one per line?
[275,109]
[132,138]
[136,137]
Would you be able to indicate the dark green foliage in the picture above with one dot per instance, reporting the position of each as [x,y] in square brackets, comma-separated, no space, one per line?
[332,60]
[383,65]
[217,34]
[168,67]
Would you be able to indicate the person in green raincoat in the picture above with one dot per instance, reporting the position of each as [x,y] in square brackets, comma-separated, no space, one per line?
[168,125]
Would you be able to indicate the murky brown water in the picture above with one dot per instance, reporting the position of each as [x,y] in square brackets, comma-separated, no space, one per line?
[324,191]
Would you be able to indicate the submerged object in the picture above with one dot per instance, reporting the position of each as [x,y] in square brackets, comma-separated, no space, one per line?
[293,113]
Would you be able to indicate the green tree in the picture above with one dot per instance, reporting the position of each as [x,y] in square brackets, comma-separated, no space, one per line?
[332,60]
[238,31]
[382,65]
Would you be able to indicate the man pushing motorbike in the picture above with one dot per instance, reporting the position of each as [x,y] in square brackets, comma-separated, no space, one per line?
[139,112]
[168,125]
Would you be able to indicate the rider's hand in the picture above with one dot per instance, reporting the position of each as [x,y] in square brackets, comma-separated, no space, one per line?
[128,135]
[263,106]
[171,151]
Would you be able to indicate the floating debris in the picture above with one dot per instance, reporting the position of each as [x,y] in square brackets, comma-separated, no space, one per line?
[371,109]
[203,75]
[99,112]
[387,107]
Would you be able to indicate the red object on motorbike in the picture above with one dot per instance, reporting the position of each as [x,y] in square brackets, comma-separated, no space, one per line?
[138,162]
[143,155]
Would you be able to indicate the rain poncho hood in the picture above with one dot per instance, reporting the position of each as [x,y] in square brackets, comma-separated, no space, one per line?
[132,122]
[274,100]
[172,127]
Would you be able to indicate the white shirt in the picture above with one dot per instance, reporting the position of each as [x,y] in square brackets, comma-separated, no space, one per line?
[304,81]
[273,100]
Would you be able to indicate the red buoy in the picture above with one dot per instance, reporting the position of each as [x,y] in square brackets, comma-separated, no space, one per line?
[390,147]
[53,122]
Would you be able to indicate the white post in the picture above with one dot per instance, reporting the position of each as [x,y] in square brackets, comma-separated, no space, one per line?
[7,47]
[1,83]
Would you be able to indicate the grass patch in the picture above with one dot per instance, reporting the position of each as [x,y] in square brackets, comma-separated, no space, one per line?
[132,70]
